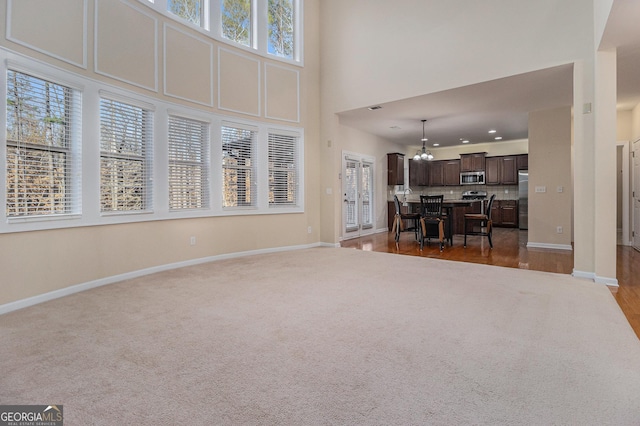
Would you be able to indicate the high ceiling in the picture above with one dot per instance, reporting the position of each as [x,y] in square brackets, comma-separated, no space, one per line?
[468,113]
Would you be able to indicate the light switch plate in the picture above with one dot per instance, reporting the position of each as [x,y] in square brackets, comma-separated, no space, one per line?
[541,189]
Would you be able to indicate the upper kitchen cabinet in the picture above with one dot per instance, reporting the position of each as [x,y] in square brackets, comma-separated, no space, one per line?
[501,170]
[492,174]
[418,173]
[395,169]
[436,173]
[452,172]
[523,161]
[509,175]
[472,162]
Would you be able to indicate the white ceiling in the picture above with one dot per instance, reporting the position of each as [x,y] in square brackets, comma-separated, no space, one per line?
[470,112]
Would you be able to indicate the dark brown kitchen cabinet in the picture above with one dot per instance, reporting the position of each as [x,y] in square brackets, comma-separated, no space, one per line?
[472,162]
[436,173]
[523,162]
[501,170]
[452,172]
[492,171]
[509,213]
[395,169]
[504,213]
[457,221]
[418,173]
[509,175]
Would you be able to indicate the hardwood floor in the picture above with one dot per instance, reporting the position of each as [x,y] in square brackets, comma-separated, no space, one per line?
[510,250]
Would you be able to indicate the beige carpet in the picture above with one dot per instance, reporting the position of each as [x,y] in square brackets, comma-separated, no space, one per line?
[328,336]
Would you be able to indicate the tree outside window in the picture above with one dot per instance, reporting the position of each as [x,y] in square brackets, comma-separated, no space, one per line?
[189,10]
[236,20]
[38,146]
[281,28]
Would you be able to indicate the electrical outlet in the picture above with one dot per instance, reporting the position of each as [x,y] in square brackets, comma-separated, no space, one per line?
[559,230]
[308,229]
[192,241]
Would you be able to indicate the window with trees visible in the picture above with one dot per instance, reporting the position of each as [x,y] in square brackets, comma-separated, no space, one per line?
[238,166]
[281,28]
[283,170]
[236,20]
[125,135]
[189,10]
[41,117]
[188,167]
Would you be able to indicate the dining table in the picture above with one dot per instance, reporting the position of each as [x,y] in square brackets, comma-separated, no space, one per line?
[448,207]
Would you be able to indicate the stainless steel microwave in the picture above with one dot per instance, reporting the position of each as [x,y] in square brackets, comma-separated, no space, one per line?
[472,178]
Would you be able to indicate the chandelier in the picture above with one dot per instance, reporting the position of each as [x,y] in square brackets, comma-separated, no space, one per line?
[424,154]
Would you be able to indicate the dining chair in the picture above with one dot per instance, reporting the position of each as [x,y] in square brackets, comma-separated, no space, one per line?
[483,220]
[431,219]
[400,217]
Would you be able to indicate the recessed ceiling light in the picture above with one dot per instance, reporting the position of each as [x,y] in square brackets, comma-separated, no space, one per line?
[498,138]
[436,144]
[465,141]
[490,131]
[373,108]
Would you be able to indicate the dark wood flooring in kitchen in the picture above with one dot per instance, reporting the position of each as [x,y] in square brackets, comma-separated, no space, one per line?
[510,250]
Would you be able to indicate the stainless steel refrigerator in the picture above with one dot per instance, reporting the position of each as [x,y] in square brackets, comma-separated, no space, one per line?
[523,196]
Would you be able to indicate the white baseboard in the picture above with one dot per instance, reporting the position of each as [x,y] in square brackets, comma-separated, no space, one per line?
[45,297]
[550,246]
[582,274]
[613,282]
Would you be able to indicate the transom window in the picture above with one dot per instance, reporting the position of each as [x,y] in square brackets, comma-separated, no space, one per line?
[189,10]
[236,21]
[269,27]
[281,41]
[40,120]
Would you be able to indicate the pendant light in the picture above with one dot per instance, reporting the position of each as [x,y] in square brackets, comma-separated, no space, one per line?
[424,154]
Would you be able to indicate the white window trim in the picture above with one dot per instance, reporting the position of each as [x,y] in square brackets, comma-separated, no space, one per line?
[88,176]
[75,149]
[259,42]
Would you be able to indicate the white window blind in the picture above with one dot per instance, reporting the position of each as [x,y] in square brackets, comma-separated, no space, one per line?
[238,166]
[41,117]
[188,167]
[125,135]
[283,170]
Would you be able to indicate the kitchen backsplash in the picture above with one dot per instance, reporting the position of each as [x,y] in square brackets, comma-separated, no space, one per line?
[503,192]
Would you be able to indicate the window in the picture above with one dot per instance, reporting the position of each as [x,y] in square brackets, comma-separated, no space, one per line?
[41,116]
[238,166]
[271,28]
[188,171]
[281,28]
[124,170]
[236,20]
[189,10]
[283,170]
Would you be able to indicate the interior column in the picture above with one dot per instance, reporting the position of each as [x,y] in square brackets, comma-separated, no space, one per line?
[605,167]
[583,171]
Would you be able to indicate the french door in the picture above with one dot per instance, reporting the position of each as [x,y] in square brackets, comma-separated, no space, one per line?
[357,191]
